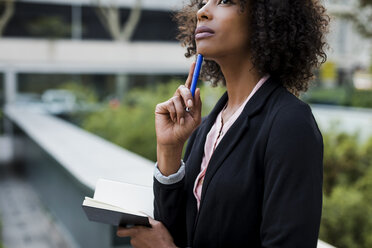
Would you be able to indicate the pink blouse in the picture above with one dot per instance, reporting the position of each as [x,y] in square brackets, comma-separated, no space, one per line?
[214,137]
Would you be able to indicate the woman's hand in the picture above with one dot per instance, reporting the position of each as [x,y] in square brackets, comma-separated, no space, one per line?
[173,123]
[146,237]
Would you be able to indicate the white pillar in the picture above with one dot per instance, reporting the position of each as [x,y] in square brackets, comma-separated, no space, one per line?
[122,83]
[76,22]
[10,90]
[10,86]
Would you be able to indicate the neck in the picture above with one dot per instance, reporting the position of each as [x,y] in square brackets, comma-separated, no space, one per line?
[240,78]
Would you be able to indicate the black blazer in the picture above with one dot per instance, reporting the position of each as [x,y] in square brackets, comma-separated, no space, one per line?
[263,185]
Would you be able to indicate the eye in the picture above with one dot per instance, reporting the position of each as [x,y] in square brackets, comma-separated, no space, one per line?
[201,4]
[225,2]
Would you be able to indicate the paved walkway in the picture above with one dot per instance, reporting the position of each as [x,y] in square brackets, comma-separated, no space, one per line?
[25,222]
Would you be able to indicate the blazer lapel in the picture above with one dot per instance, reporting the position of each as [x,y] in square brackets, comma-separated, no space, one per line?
[235,132]
[195,159]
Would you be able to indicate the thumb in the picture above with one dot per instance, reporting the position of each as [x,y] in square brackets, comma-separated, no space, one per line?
[153,222]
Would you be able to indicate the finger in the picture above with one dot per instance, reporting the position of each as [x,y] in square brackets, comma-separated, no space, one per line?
[197,99]
[166,108]
[189,77]
[126,232]
[153,222]
[186,95]
[180,109]
[172,110]
[198,106]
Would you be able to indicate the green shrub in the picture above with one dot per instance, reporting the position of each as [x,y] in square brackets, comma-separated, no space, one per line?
[347,206]
[346,219]
[82,93]
[344,96]
[362,98]
[364,185]
[131,124]
[334,96]
[342,165]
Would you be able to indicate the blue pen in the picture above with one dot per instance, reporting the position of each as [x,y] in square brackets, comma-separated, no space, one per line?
[195,76]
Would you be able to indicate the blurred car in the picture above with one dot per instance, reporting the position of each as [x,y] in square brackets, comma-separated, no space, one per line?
[58,101]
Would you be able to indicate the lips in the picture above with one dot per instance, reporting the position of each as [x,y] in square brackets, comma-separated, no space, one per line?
[203,32]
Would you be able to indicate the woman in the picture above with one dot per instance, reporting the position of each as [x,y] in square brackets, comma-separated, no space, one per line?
[252,172]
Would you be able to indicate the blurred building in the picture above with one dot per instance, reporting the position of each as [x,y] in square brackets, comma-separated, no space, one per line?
[349,50]
[67,39]
[47,42]
[77,19]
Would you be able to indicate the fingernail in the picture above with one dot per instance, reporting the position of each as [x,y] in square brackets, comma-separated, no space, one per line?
[182,121]
[189,103]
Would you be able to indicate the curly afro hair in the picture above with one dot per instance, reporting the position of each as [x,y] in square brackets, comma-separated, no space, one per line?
[287,40]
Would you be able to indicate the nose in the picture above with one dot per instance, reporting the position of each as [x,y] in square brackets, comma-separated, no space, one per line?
[204,12]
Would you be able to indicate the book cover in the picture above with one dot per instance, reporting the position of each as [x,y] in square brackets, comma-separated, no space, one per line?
[120,204]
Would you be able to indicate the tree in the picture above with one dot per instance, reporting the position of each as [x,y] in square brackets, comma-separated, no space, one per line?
[361,15]
[109,15]
[51,27]
[7,14]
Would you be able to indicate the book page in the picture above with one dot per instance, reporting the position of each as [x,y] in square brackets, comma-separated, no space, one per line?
[128,196]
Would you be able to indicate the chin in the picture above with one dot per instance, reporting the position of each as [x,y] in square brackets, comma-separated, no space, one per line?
[207,53]
[209,50]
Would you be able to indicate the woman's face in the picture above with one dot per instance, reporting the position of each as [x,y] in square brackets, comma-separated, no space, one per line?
[222,29]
